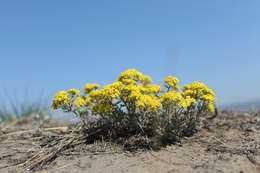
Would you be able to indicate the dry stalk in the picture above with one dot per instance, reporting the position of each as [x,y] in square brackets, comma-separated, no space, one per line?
[40,159]
[31,131]
[253,161]
[50,152]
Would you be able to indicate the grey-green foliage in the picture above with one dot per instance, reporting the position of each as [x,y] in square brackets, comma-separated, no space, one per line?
[36,109]
[4,114]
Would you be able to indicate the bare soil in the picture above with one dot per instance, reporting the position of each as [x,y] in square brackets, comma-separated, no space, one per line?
[229,143]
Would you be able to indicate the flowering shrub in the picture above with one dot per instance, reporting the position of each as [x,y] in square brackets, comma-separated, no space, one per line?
[134,105]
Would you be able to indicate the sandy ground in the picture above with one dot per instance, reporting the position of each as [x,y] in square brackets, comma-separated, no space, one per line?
[229,143]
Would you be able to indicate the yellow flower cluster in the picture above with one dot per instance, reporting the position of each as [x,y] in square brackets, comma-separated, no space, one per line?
[148,103]
[151,89]
[200,92]
[73,92]
[131,92]
[132,88]
[65,99]
[62,100]
[187,102]
[135,91]
[133,76]
[172,83]
[210,106]
[136,88]
[173,97]
[170,97]
[112,90]
[80,102]
[102,100]
[90,87]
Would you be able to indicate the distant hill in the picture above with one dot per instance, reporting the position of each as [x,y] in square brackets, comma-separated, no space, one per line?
[244,106]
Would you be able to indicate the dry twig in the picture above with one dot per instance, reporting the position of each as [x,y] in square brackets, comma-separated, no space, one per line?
[31,131]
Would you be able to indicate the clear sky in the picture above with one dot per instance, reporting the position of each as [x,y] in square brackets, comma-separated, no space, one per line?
[48,45]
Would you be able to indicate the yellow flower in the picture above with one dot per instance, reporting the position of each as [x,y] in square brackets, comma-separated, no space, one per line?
[172,82]
[128,81]
[131,91]
[117,84]
[146,80]
[148,103]
[111,90]
[199,91]
[73,92]
[130,74]
[94,93]
[210,107]
[151,89]
[187,102]
[170,97]
[135,92]
[80,102]
[88,100]
[90,87]
[208,97]
[61,100]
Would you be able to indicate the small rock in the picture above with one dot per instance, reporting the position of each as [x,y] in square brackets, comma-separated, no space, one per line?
[251,129]
[257,119]
[247,114]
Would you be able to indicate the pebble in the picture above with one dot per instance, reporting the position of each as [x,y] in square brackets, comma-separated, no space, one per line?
[252,129]
[257,119]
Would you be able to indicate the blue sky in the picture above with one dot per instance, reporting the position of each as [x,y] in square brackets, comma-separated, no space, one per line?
[46,46]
